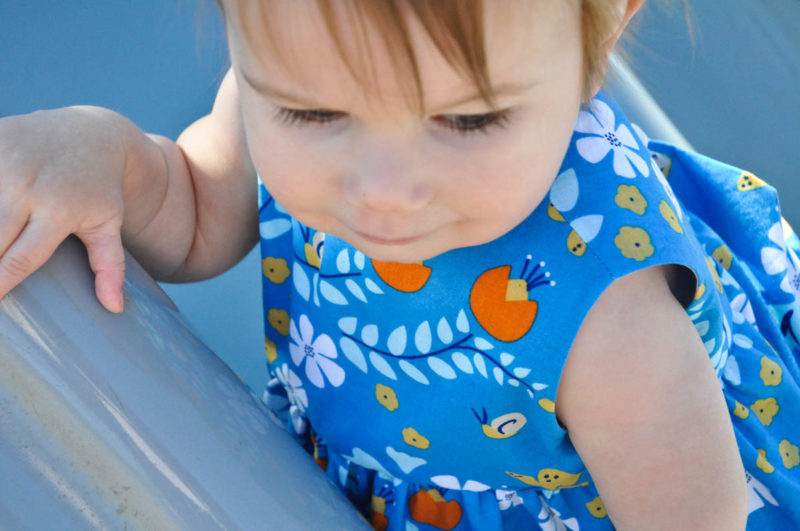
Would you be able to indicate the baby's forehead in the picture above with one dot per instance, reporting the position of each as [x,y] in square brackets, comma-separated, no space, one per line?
[390,55]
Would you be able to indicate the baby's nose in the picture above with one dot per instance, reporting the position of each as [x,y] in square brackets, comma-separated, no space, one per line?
[392,182]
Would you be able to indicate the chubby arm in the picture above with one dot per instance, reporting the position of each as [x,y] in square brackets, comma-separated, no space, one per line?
[646,414]
[200,218]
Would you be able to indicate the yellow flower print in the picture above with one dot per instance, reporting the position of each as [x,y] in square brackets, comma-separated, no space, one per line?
[765,409]
[270,349]
[547,404]
[554,214]
[575,244]
[740,410]
[275,269]
[630,197]
[386,397]
[771,372]
[789,453]
[701,289]
[596,508]
[634,243]
[714,274]
[748,181]
[413,438]
[670,216]
[723,255]
[279,320]
[762,463]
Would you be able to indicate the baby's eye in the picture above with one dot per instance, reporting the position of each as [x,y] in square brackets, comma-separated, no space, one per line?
[307,116]
[468,123]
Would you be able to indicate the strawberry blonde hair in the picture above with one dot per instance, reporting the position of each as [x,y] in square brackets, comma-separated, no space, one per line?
[454,26]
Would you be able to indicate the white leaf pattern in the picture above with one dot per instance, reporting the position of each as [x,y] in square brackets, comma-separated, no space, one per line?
[521,372]
[498,375]
[397,341]
[743,341]
[441,368]
[461,322]
[564,191]
[506,359]
[358,259]
[355,289]
[483,344]
[413,372]
[353,353]
[444,332]
[422,337]
[273,228]
[480,365]
[372,286]
[382,365]
[348,325]
[369,335]
[331,294]
[462,362]
[301,284]
[343,261]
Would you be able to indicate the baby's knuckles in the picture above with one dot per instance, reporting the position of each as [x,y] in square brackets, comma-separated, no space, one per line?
[63,164]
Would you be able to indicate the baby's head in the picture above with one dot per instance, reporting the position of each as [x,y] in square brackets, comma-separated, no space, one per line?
[410,128]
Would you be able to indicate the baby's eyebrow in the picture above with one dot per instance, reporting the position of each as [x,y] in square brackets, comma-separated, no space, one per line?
[275,92]
[500,90]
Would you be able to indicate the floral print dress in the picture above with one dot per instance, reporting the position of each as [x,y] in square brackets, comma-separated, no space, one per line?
[426,391]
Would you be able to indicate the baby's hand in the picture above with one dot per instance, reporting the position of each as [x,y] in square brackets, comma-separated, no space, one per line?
[61,173]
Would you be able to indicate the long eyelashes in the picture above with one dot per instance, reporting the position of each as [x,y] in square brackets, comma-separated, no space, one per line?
[460,123]
[311,116]
[468,123]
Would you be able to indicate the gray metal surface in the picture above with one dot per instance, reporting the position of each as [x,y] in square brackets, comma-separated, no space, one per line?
[129,422]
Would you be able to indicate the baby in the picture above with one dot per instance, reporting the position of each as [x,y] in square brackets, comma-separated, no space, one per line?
[485,307]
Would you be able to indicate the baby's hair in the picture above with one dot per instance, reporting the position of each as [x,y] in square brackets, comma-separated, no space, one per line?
[454,26]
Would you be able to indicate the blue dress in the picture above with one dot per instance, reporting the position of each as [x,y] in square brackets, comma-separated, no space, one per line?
[426,391]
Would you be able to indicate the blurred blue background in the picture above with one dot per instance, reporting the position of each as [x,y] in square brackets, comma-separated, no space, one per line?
[734,95]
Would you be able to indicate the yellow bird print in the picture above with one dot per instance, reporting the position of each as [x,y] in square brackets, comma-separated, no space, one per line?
[551,479]
[502,427]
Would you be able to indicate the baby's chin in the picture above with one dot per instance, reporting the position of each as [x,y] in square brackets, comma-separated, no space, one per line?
[426,248]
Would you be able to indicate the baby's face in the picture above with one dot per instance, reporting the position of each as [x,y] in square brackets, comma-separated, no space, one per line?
[364,164]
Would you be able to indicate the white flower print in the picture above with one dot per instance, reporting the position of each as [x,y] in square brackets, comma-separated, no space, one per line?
[777,261]
[298,399]
[757,493]
[318,354]
[507,499]
[550,519]
[451,482]
[600,122]
[293,385]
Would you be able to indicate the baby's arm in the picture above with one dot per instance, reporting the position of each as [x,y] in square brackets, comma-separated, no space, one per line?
[207,218]
[187,210]
[645,412]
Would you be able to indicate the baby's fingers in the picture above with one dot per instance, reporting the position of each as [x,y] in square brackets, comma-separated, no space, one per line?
[107,260]
[29,251]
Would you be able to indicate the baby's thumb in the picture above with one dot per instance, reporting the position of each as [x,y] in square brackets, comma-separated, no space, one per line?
[107,260]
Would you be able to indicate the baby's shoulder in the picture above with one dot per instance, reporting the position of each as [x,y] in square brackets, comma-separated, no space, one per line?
[636,337]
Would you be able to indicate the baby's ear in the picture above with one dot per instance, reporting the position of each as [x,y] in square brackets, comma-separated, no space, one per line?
[624,12]
[625,9]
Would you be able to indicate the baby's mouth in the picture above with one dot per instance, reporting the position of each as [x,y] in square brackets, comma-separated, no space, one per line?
[387,241]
